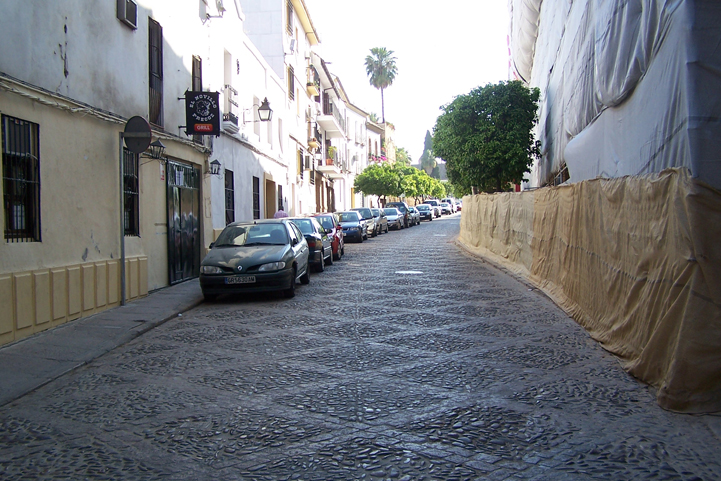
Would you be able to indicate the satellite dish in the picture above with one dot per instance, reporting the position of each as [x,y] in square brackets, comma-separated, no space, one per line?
[137,134]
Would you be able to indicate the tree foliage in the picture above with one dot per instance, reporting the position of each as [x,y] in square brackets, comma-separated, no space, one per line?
[381,70]
[428,161]
[386,180]
[486,136]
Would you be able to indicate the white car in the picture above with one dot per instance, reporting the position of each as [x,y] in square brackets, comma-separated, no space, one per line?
[446,208]
[451,203]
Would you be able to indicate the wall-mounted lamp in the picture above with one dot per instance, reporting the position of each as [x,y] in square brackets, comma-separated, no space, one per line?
[264,111]
[157,149]
[215,167]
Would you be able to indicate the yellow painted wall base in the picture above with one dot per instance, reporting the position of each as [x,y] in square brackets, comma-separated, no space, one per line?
[38,300]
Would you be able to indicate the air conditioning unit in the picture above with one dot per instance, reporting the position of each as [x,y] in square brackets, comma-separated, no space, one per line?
[128,13]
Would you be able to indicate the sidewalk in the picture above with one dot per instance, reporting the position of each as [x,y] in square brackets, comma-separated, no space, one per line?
[30,363]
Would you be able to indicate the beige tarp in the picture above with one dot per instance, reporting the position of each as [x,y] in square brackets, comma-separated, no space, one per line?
[634,260]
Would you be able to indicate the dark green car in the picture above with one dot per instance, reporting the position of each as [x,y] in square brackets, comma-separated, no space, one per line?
[256,256]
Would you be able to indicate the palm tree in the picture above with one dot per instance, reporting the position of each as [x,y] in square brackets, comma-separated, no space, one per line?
[382,70]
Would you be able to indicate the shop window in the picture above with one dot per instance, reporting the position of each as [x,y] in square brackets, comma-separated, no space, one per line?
[256,198]
[229,197]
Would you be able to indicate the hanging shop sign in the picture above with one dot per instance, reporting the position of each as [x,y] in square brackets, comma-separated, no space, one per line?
[202,113]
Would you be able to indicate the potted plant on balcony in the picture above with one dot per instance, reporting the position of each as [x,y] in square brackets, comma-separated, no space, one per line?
[331,155]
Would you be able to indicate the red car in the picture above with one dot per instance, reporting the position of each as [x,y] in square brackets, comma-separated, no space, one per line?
[335,232]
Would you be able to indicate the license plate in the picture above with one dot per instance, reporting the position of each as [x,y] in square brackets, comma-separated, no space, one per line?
[240,280]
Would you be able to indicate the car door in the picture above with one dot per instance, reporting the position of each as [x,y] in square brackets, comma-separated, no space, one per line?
[300,247]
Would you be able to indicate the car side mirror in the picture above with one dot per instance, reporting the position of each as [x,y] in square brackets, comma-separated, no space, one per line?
[211,245]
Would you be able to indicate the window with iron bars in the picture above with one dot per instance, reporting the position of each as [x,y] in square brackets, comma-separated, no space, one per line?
[155,47]
[289,18]
[21,179]
[229,197]
[197,86]
[256,198]
[131,192]
[291,82]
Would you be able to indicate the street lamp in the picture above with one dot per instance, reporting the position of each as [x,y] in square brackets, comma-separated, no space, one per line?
[157,149]
[264,111]
[215,167]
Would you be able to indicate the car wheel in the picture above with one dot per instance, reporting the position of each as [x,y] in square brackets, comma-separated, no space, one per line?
[320,267]
[305,278]
[290,292]
[330,258]
[210,297]
[360,238]
[342,251]
[336,256]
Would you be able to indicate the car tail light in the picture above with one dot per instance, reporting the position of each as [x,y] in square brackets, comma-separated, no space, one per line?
[311,243]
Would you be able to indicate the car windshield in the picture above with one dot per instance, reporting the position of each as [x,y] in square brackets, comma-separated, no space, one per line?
[326,221]
[390,211]
[423,207]
[348,216]
[305,225]
[444,204]
[366,213]
[401,207]
[376,212]
[246,235]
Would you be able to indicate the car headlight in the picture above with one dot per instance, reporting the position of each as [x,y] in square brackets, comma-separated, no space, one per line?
[210,270]
[272,266]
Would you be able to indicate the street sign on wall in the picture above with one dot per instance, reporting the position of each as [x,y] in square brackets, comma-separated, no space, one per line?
[202,113]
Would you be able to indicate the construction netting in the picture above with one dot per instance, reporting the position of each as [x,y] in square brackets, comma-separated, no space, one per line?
[628,87]
[634,260]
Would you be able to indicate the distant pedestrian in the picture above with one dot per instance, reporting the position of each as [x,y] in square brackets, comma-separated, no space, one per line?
[280,213]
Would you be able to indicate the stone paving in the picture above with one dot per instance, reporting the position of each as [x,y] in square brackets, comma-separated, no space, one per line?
[407,360]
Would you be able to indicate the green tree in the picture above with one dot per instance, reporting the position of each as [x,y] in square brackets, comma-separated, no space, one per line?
[381,180]
[373,117]
[403,157]
[428,162]
[486,136]
[382,70]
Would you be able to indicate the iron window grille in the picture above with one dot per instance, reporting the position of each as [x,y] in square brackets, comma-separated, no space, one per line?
[21,179]
[229,197]
[197,86]
[256,198]
[289,19]
[291,82]
[155,35]
[131,190]
[280,197]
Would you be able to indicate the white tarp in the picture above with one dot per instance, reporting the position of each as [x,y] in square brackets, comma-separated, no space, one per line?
[628,87]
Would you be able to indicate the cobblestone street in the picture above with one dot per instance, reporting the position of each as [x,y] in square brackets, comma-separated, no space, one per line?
[406,360]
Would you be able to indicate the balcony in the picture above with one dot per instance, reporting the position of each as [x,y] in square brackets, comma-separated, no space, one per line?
[230,123]
[331,121]
[331,168]
[230,120]
[313,85]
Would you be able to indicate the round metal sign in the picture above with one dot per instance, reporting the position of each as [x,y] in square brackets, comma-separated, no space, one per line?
[137,134]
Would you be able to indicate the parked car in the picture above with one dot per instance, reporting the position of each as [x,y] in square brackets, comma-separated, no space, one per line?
[353,225]
[425,211]
[451,203]
[256,256]
[414,216]
[403,207]
[371,227]
[445,208]
[436,207]
[319,244]
[459,206]
[331,225]
[381,221]
[394,218]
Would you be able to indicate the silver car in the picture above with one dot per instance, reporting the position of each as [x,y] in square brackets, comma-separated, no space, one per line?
[380,217]
[394,218]
[415,217]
